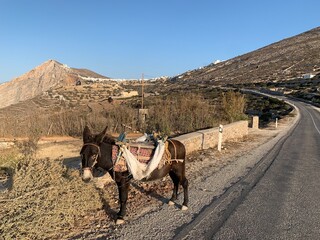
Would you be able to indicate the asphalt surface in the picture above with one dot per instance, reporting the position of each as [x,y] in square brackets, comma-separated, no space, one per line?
[278,199]
[285,202]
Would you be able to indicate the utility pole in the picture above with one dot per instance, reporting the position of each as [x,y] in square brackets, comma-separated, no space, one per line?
[142,91]
[142,113]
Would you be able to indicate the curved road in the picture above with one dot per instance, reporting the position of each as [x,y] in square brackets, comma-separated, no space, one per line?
[280,199]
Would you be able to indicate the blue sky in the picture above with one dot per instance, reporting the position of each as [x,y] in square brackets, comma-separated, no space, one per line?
[125,38]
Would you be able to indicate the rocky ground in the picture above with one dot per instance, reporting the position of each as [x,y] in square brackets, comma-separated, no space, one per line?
[149,216]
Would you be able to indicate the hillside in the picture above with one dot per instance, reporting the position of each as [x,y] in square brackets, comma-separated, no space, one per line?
[283,60]
[49,93]
[50,74]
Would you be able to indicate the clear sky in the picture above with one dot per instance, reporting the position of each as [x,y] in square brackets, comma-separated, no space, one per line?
[125,38]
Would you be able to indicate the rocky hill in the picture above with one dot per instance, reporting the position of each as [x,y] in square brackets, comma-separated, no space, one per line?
[49,75]
[283,60]
[50,91]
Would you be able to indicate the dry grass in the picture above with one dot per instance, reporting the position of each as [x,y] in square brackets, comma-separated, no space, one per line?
[47,201]
[9,158]
[177,114]
[233,105]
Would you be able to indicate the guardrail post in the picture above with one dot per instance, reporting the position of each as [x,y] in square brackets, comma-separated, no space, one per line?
[220,137]
[255,122]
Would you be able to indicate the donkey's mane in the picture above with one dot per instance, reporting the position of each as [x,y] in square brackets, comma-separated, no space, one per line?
[109,139]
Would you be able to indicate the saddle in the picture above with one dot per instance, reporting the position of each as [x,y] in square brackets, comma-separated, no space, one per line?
[142,151]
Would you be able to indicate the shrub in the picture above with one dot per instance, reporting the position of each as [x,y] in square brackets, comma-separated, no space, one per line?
[181,114]
[233,105]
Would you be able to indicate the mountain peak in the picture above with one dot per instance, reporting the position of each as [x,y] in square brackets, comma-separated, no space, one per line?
[51,61]
[49,64]
[49,74]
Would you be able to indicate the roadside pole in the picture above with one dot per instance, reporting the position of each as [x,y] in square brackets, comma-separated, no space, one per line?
[220,137]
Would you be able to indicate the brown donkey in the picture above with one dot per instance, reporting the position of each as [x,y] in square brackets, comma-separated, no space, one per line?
[97,152]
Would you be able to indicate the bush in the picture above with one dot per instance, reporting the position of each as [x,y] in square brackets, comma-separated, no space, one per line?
[233,105]
[28,148]
[181,114]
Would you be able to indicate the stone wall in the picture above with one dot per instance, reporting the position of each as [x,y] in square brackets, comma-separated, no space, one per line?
[208,138]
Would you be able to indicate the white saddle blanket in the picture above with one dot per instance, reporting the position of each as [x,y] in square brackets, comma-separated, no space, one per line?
[140,170]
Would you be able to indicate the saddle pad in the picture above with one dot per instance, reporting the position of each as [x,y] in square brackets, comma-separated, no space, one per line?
[141,152]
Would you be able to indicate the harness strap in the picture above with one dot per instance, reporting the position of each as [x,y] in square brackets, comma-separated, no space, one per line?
[174,147]
[171,160]
[92,144]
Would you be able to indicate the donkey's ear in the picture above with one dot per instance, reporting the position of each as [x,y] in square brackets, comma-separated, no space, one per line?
[87,135]
[101,135]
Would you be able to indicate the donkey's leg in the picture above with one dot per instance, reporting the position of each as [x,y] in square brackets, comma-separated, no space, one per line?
[123,188]
[179,170]
[175,180]
[185,184]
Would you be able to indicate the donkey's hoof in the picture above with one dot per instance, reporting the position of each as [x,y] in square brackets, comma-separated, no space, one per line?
[184,208]
[170,203]
[119,221]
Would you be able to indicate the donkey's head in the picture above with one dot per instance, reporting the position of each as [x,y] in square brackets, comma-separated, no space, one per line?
[90,151]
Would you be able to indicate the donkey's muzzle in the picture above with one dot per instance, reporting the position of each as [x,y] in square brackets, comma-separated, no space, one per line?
[87,175]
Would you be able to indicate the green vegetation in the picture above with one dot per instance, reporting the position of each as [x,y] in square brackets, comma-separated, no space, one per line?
[268,109]
[304,89]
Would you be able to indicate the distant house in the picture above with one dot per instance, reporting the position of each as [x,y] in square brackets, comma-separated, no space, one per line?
[308,76]
[78,82]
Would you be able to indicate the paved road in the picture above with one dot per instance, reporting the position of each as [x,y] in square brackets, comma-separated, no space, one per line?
[285,203]
[279,199]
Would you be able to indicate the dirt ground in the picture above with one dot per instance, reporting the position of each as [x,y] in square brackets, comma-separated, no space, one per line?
[148,197]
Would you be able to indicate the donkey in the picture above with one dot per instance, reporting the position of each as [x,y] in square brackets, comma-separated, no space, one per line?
[97,152]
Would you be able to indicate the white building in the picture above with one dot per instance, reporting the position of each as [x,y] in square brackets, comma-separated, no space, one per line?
[308,76]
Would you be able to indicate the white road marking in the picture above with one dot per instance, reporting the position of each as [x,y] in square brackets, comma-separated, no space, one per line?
[314,123]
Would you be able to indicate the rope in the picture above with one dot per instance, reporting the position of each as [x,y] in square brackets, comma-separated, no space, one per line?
[175,149]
